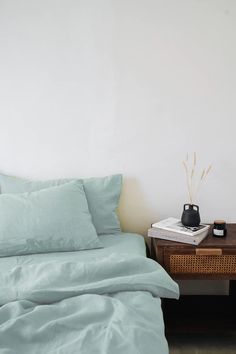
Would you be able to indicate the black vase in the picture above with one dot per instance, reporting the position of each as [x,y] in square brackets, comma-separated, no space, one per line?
[191,216]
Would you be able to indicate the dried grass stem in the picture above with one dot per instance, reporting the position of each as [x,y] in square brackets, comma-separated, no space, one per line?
[193,186]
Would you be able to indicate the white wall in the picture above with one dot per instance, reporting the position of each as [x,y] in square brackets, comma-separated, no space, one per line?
[93,87]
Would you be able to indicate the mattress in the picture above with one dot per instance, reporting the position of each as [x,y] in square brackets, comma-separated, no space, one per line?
[128,243]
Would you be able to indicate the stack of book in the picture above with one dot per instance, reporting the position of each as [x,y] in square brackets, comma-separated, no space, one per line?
[173,230]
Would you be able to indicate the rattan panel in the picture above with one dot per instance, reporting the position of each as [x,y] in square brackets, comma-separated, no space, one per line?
[203,264]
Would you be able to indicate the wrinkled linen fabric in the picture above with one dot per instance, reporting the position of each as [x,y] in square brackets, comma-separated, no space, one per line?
[102,193]
[49,220]
[111,305]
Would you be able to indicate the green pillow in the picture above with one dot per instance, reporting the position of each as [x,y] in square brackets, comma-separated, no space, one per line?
[49,220]
[103,194]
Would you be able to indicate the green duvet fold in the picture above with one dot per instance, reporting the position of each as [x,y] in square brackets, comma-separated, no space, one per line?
[56,280]
[107,306]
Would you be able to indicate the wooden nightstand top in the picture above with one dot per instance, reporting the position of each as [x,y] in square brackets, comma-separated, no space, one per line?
[210,241]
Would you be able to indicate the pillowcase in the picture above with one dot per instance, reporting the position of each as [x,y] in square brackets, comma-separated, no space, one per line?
[103,194]
[49,220]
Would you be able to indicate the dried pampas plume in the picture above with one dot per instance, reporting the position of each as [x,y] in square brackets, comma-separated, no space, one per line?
[194,184]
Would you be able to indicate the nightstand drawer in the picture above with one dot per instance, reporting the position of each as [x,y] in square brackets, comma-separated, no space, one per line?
[192,264]
[201,262]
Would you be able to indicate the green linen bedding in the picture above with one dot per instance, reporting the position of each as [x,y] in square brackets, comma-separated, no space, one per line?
[99,301]
[102,194]
[113,243]
[49,220]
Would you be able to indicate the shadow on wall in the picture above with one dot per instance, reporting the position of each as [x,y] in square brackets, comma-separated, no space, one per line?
[133,209]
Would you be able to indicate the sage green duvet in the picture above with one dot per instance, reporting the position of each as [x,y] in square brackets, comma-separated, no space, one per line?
[88,305]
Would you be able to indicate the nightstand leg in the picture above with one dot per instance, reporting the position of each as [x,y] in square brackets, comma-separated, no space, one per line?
[152,249]
[232,288]
[232,298]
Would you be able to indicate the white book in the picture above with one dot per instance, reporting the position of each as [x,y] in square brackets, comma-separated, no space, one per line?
[175,226]
[177,237]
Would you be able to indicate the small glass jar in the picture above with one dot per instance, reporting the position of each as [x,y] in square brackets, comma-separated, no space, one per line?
[219,228]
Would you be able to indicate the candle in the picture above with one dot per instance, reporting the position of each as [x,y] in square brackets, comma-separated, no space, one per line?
[219,228]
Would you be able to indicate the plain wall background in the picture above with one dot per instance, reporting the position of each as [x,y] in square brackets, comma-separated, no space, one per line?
[95,87]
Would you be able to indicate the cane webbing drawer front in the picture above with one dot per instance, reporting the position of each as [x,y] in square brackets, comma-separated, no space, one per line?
[205,264]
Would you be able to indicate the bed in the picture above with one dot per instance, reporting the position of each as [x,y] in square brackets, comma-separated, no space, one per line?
[104,300]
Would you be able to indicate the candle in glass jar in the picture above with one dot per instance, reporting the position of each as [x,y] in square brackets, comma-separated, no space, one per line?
[219,228]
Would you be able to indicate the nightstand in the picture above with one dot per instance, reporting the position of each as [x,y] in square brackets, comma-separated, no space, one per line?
[214,258]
